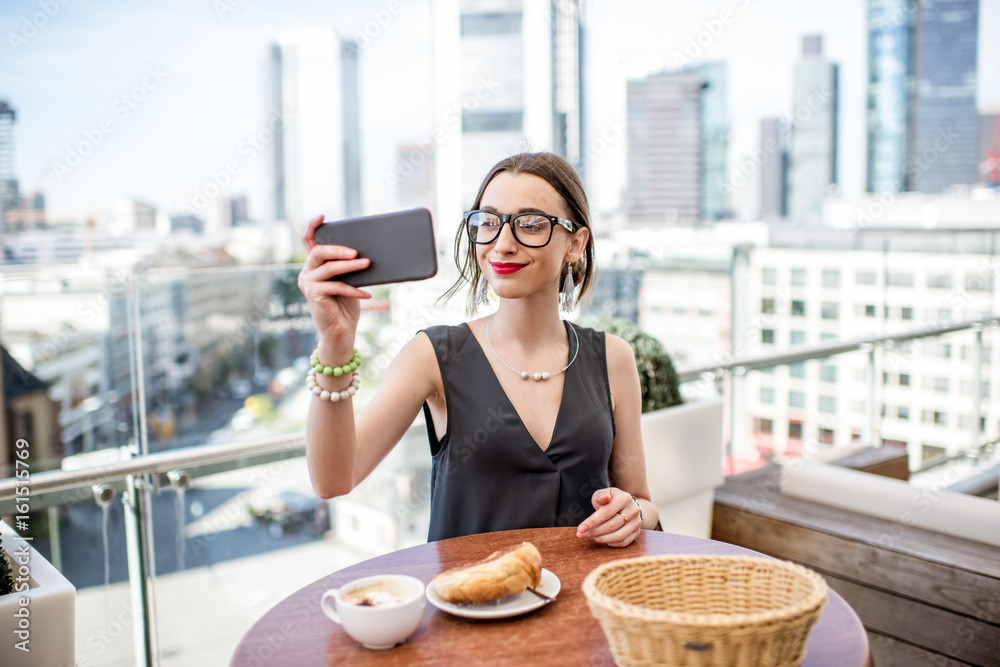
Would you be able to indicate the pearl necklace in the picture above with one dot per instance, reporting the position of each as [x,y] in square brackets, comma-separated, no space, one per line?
[537,377]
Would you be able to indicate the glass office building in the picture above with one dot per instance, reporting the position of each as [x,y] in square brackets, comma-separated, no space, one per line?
[922,66]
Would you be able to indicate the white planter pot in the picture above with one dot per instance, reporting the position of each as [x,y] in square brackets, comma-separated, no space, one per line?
[51,602]
[683,446]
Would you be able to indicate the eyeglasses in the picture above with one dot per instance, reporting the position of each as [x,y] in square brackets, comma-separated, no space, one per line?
[533,230]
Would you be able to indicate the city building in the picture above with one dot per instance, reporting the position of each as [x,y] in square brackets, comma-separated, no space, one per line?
[128,216]
[677,129]
[415,169]
[313,125]
[922,71]
[812,162]
[507,80]
[803,291]
[989,146]
[774,168]
[9,196]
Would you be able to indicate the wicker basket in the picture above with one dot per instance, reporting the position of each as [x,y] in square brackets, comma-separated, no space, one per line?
[705,610]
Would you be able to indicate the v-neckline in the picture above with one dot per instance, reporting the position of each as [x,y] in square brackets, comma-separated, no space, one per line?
[562,395]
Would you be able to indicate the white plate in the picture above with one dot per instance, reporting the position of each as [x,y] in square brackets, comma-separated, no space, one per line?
[512,605]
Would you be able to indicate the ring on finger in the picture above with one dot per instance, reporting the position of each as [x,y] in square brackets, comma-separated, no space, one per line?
[624,519]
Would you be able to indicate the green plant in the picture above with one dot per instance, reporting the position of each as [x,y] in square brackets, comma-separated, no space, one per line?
[6,575]
[657,375]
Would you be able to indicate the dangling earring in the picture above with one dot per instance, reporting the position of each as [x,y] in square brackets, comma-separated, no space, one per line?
[566,293]
[482,292]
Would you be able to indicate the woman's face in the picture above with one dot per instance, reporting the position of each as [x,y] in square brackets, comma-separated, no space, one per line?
[514,270]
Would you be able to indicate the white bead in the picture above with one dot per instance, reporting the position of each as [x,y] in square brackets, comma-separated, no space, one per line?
[537,376]
[335,396]
[524,375]
[317,391]
[545,376]
[345,395]
[324,395]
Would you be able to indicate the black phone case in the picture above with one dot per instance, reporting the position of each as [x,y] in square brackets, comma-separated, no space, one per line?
[400,246]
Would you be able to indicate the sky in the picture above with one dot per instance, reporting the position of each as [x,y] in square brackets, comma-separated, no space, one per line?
[168,93]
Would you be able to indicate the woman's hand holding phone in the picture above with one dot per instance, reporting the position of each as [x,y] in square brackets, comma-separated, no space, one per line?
[333,305]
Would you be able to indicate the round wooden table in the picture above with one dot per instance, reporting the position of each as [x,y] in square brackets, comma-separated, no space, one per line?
[295,632]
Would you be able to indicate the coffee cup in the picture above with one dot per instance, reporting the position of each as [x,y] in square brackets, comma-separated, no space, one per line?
[380,611]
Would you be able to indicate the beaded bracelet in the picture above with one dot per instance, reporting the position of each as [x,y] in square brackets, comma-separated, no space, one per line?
[332,395]
[335,371]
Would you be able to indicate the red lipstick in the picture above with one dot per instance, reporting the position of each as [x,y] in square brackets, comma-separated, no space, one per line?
[502,268]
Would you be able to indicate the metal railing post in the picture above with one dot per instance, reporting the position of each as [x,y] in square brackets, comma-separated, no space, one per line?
[868,435]
[135,503]
[977,385]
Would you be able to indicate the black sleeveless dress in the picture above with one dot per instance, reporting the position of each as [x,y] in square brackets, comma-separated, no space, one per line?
[488,474]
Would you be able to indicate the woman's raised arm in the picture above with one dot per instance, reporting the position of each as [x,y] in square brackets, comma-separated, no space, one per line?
[339,452]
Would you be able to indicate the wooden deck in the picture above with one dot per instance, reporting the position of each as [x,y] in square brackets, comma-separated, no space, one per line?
[924,597]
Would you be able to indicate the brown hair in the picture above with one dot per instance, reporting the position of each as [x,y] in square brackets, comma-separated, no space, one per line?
[558,173]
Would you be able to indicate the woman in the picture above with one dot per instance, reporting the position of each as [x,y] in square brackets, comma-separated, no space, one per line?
[533,422]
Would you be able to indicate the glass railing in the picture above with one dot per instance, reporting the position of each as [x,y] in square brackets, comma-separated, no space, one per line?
[164,412]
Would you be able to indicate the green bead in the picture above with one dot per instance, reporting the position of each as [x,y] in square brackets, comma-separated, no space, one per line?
[318,367]
[354,366]
[337,371]
[327,370]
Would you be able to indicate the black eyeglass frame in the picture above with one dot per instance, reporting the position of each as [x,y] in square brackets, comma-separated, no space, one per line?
[509,218]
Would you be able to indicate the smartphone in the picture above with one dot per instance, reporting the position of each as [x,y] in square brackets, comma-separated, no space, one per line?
[400,246]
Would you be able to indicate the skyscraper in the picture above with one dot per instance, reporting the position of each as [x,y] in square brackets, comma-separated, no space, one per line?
[9,195]
[507,80]
[812,162]
[677,142]
[773,169]
[922,72]
[315,119]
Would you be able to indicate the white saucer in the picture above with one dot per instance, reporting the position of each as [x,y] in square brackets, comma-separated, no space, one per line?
[512,605]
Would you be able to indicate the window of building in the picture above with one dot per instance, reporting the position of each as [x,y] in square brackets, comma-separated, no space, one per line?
[903,412]
[798,308]
[904,379]
[866,278]
[797,370]
[940,418]
[769,276]
[979,283]
[796,399]
[888,442]
[899,279]
[492,121]
[941,384]
[826,436]
[795,430]
[495,23]
[767,306]
[767,336]
[830,311]
[827,336]
[827,373]
[797,337]
[763,426]
[766,395]
[827,404]
[943,350]
[939,281]
[906,313]
[831,278]
[799,277]
[870,311]
[943,316]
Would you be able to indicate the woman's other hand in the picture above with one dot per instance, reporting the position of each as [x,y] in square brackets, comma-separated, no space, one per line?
[615,522]
[333,305]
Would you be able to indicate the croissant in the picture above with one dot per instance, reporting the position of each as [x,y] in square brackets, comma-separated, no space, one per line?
[504,572]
